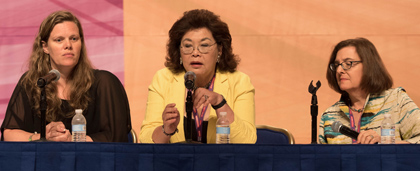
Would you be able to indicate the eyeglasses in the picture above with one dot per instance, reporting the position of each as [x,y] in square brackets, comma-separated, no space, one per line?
[345,65]
[202,48]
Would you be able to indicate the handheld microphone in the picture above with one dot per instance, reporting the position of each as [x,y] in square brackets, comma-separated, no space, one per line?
[337,126]
[53,75]
[189,80]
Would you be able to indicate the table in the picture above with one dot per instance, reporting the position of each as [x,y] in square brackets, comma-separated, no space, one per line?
[128,156]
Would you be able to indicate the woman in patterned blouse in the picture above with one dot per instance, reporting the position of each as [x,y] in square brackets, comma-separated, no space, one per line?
[357,72]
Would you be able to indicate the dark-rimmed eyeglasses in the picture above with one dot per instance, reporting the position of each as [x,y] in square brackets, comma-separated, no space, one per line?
[346,65]
[202,48]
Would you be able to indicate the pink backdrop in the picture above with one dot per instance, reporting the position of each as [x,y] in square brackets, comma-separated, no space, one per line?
[102,22]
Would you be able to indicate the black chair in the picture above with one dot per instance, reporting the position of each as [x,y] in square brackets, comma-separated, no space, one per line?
[272,135]
[132,136]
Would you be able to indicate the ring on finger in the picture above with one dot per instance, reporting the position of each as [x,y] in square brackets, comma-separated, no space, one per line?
[371,136]
[206,97]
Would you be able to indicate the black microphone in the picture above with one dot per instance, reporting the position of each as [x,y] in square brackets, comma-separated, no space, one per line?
[189,80]
[53,75]
[337,126]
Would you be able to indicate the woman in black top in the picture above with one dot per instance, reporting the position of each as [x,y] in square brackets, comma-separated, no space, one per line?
[60,45]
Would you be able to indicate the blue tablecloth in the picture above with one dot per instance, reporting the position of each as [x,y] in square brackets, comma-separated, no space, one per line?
[168,157]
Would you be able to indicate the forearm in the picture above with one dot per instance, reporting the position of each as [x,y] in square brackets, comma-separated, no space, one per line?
[88,139]
[19,135]
[159,137]
[225,108]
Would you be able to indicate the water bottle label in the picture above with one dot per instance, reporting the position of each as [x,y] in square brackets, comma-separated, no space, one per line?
[76,128]
[388,132]
[223,130]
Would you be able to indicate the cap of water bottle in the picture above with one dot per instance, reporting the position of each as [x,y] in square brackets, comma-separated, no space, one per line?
[79,111]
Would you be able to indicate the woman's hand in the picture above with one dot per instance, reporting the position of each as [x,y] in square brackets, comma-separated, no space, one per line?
[56,131]
[170,118]
[368,137]
[205,97]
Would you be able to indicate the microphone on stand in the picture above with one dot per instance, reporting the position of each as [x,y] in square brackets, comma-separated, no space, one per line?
[189,80]
[189,84]
[53,75]
[337,126]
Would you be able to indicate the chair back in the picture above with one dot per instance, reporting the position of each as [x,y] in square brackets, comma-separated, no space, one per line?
[272,135]
[132,136]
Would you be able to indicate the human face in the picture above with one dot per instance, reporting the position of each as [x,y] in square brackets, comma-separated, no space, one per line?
[63,46]
[349,80]
[202,64]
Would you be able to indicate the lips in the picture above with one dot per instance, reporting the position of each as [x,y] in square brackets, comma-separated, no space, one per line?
[196,63]
[343,79]
[68,54]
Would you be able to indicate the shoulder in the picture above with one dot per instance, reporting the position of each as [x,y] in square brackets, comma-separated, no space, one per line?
[22,78]
[103,78]
[238,80]
[392,91]
[334,109]
[165,74]
[390,94]
[103,75]
[237,76]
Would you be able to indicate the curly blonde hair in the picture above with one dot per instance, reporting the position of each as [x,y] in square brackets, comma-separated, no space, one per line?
[40,65]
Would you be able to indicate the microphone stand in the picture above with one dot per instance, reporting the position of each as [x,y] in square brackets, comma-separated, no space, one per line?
[43,109]
[189,110]
[314,110]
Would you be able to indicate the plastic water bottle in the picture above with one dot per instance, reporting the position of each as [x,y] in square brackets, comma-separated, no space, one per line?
[78,126]
[222,129]
[387,130]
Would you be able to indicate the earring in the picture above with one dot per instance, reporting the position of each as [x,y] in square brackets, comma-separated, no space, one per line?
[218,56]
[180,61]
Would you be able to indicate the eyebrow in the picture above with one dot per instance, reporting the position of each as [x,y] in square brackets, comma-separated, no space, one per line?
[61,36]
[203,39]
[346,59]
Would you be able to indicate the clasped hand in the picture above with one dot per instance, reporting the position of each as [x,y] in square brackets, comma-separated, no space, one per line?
[368,137]
[56,131]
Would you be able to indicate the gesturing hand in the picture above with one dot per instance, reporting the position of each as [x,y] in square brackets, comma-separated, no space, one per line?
[205,97]
[170,118]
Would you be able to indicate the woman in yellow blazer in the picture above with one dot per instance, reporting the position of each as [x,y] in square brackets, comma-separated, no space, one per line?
[199,42]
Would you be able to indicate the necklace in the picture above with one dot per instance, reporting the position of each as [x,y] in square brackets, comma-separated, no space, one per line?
[356,110]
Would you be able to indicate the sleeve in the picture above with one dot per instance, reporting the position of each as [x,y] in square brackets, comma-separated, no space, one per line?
[409,118]
[18,111]
[111,109]
[154,108]
[243,128]
[321,136]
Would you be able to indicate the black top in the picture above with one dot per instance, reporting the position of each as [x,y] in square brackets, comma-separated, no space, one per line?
[107,115]
[194,136]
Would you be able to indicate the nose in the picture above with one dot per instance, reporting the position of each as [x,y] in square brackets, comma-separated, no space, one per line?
[196,52]
[339,69]
[68,44]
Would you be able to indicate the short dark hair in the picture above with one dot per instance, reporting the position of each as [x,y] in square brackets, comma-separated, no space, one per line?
[196,19]
[375,78]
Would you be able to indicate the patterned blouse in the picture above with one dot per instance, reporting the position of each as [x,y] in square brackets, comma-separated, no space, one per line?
[404,112]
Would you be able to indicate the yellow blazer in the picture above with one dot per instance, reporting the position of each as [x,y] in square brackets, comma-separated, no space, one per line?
[236,88]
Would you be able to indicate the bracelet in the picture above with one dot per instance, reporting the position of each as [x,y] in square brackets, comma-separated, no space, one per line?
[163,129]
[30,137]
[221,104]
